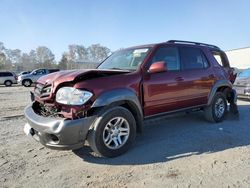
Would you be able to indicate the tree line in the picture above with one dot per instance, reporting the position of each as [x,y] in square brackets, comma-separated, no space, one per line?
[77,56]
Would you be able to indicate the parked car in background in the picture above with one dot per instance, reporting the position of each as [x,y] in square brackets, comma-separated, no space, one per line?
[7,78]
[242,84]
[27,79]
[23,73]
[107,105]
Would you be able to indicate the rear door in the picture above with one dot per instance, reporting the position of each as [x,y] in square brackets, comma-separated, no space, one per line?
[198,73]
[7,76]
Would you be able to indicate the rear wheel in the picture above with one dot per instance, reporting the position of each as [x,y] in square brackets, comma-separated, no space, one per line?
[113,133]
[216,111]
[27,83]
[8,83]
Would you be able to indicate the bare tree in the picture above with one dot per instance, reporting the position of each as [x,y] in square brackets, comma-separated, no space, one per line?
[63,63]
[45,57]
[98,53]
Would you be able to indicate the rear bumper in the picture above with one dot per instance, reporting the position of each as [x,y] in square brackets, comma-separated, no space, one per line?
[57,133]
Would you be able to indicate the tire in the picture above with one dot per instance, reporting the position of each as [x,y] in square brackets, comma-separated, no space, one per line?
[111,142]
[234,108]
[216,111]
[8,83]
[26,83]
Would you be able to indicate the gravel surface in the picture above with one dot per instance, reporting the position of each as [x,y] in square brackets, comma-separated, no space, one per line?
[181,150]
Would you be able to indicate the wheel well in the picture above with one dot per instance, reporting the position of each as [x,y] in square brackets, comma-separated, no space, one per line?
[126,104]
[226,91]
[26,79]
[7,81]
[138,117]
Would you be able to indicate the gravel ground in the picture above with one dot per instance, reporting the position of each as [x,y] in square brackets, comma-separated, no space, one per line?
[181,150]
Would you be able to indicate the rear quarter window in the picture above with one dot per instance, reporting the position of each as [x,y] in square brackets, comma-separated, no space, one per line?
[221,58]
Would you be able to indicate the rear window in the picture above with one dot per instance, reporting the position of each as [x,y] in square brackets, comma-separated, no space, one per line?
[53,70]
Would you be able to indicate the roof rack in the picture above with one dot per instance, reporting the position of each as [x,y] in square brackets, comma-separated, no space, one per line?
[190,42]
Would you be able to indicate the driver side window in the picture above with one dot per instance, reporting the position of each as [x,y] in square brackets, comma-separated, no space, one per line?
[170,56]
[40,72]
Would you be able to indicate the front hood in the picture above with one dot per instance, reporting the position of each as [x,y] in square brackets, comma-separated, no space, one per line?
[25,76]
[76,75]
[243,81]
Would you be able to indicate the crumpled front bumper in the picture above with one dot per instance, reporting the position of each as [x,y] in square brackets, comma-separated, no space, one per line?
[57,133]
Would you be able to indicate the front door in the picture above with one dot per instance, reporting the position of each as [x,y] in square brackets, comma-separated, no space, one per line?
[164,91]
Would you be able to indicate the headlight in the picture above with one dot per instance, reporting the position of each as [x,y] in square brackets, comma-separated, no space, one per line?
[72,96]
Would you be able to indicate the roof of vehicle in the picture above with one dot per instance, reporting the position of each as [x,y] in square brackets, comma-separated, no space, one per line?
[191,43]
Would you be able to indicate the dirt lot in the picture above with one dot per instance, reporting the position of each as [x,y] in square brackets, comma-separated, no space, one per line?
[175,151]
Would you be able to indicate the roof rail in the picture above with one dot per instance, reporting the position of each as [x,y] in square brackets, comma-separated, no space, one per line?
[190,42]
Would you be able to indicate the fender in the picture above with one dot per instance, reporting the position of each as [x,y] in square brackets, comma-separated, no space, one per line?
[218,84]
[122,96]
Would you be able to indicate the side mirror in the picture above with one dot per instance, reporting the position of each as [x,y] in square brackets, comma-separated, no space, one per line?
[159,66]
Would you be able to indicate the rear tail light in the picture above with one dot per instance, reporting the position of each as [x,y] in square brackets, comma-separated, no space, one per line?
[16,78]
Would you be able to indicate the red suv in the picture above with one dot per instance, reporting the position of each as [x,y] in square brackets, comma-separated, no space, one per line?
[107,105]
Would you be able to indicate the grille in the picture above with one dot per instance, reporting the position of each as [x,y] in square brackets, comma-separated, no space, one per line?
[42,90]
[46,110]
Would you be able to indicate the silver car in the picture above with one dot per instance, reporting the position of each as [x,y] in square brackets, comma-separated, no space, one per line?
[7,78]
[242,84]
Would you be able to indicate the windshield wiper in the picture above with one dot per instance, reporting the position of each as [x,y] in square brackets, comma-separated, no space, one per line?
[115,68]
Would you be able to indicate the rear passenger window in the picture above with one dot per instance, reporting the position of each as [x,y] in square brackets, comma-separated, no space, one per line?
[169,55]
[3,74]
[193,58]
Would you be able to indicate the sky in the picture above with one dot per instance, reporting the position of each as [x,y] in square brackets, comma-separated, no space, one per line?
[27,24]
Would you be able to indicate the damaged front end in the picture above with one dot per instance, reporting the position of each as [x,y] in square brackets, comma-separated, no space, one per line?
[60,115]
[57,125]
[45,104]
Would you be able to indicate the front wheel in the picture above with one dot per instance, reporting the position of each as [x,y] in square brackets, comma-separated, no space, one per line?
[113,132]
[216,111]
[27,83]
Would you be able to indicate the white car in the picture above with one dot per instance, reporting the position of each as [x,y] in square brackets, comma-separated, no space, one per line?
[7,78]
[27,79]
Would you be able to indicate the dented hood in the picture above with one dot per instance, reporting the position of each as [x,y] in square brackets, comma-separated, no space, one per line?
[76,75]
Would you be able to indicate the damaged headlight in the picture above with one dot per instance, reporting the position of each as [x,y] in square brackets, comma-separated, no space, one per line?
[72,96]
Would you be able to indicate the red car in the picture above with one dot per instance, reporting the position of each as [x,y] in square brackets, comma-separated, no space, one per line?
[107,105]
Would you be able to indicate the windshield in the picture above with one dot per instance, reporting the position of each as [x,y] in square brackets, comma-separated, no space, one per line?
[128,59]
[245,73]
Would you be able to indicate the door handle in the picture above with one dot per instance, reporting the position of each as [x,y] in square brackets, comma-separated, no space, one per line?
[179,79]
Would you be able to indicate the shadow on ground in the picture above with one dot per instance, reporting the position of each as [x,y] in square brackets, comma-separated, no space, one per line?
[171,137]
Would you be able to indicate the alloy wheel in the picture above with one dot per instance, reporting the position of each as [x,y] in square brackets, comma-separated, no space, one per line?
[116,133]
